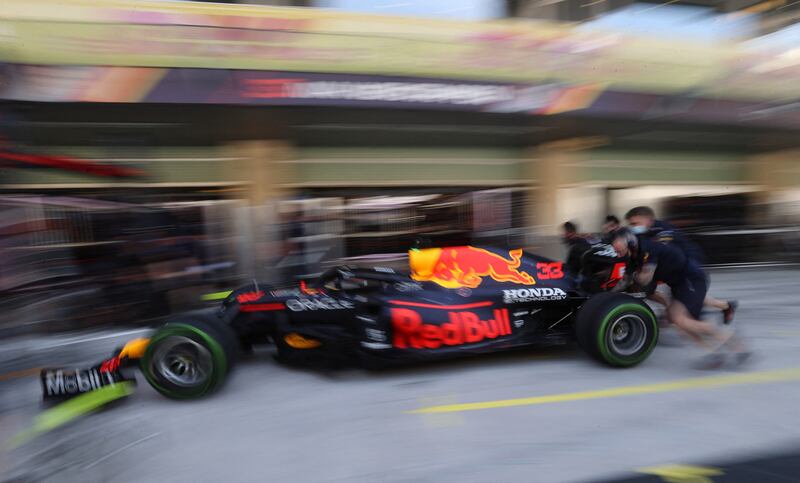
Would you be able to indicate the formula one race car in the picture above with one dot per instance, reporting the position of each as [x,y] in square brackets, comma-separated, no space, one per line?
[453,301]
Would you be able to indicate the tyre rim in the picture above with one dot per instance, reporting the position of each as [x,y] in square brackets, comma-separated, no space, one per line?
[627,335]
[183,361]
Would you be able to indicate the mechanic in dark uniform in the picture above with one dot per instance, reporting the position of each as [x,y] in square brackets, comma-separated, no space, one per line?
[577,246]
[643,223]
[657,261]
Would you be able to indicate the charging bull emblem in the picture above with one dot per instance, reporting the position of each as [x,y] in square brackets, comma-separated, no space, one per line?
[456,267]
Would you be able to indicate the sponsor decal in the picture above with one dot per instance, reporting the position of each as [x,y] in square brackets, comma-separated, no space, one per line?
[617,274]
[550,271]
[532,295]
[519,323]
[321,303]
[286,292]
[465,266]
[464,327]
[375,334]
[249,296]
[376,345]
[60,383]
[407,286]
[665,236]
[464,292]
[607,251]
[383,269]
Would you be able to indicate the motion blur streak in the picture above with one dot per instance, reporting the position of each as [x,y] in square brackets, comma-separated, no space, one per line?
[68,411]
[680,385]
[18,374]
[348,183]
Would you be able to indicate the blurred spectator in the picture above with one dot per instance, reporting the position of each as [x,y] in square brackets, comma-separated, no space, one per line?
[577,246]
[610,225]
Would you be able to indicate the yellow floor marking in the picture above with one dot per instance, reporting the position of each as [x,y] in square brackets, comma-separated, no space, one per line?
[442,420]
[763,377]
[682,473]
[17,374]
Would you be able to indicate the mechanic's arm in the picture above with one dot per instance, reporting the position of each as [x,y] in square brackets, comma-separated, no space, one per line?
[623,284]
[645,275]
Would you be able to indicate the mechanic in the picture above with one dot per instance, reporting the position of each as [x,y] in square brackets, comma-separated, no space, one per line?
[689,284]
[577,246]
[642,221]
[610,225]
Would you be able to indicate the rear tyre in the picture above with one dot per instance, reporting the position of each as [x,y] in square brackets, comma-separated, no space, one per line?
[617,329]
[189,358]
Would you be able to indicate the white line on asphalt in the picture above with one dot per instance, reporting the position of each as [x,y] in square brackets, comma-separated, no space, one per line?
[95,338]
[109,455]
[733,266]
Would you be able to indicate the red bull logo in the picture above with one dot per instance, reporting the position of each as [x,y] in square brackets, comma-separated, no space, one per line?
[463,328]
[456,267]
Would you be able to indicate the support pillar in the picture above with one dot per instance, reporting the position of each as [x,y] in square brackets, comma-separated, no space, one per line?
[265,175]
[775,174]
[551,167]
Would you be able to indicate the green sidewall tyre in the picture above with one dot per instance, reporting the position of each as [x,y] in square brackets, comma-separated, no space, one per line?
[602,337]
[200,334]
[595,319]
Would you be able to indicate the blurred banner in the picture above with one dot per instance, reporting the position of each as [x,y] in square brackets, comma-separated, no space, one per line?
[134,84]
[189,35]
[41,83]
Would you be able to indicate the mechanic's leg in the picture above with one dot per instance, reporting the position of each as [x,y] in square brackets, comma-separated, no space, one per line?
[716,303]
[699,332]
[728,307]
[663,317]
[678,314]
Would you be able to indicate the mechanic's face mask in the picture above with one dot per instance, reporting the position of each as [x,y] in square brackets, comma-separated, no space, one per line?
[638,229]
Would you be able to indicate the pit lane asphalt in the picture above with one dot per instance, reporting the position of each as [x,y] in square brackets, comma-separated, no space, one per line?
[274,423]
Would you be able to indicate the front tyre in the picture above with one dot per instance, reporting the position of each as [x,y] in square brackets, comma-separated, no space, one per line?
[617,329]
[188,359]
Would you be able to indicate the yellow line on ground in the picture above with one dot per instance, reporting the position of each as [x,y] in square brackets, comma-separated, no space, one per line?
[763,377]
[18,374]
[683,473]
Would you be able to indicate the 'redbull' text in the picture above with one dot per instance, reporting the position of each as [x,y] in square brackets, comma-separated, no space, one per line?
[463,328]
